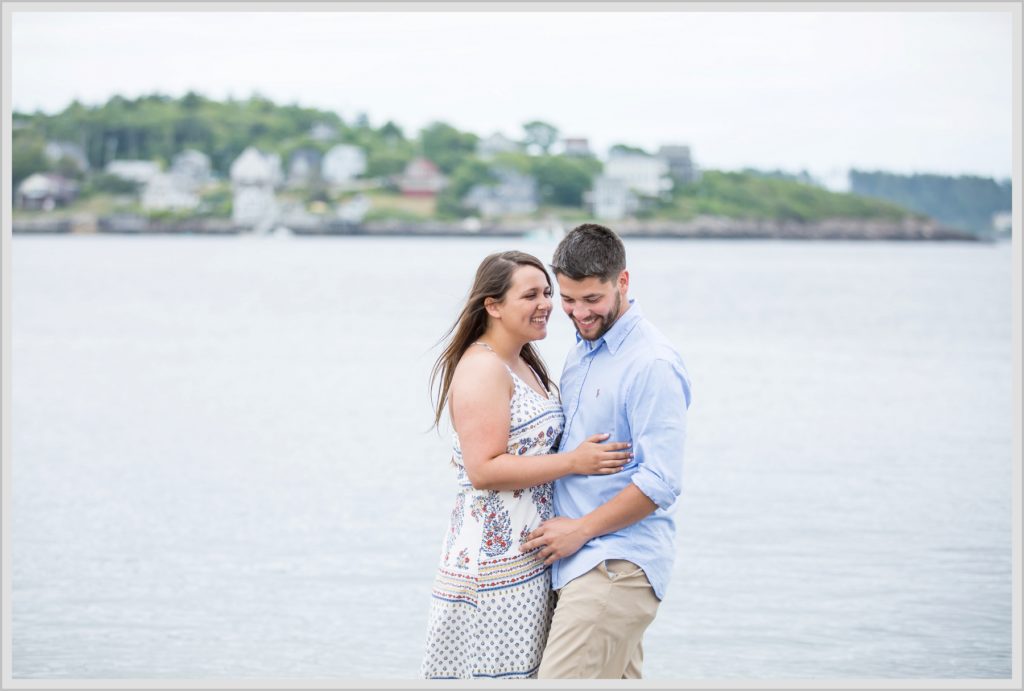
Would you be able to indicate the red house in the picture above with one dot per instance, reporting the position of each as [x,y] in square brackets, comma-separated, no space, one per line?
[421,178]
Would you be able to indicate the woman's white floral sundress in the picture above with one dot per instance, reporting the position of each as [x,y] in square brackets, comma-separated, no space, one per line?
[491,606]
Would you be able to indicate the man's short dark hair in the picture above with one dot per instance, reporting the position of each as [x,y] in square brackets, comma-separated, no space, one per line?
[590,250]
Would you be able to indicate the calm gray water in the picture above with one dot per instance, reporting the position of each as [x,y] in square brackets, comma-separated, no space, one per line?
[221,463]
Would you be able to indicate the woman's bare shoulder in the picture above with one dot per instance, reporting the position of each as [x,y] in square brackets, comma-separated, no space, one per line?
[482,366]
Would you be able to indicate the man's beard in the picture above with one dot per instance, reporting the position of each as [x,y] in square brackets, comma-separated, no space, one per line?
[607,321]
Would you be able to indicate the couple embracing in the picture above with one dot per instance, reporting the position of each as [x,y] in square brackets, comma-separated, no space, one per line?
[561,540]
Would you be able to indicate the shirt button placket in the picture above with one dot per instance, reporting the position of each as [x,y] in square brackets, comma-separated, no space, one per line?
[578,393]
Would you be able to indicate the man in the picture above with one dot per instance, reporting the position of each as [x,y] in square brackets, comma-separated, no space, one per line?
[612,542]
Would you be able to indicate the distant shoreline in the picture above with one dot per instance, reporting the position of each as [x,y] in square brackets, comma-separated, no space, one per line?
[702,228]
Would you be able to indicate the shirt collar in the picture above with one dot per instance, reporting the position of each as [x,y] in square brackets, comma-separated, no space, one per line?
[617,334]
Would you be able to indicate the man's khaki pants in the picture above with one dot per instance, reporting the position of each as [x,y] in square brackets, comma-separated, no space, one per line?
[599,623]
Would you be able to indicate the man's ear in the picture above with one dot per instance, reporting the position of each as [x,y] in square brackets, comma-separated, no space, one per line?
[624,281]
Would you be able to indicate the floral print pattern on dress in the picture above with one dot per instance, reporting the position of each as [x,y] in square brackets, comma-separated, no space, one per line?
[544,500]
[497,535]
[454,524]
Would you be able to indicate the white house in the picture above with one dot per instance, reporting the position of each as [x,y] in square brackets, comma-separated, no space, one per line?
[135,171]
[495,144]
[253,179]
[168,191]
[646,175]
[343,163]
[193,167]
[1002,222]
[611,199]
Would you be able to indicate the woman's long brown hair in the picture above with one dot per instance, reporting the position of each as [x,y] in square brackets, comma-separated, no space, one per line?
[493,279]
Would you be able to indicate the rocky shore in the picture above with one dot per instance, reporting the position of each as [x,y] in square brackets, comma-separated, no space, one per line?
[829,229]
[704,227]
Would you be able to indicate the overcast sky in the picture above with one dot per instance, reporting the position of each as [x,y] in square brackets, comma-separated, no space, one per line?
[823,91]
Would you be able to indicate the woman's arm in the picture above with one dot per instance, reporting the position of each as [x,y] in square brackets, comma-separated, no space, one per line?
[479,405]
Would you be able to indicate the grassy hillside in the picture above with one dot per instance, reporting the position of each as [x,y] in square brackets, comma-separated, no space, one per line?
[747,195]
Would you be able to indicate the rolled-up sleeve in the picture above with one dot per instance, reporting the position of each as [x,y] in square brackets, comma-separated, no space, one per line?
[656,405]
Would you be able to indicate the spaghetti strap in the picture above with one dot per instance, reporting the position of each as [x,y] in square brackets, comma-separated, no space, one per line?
[481,343]
[537,377]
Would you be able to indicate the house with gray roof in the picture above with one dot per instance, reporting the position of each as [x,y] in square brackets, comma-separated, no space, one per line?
[495,144]
[680,163]
[303,167]
[514,194]
[45,191]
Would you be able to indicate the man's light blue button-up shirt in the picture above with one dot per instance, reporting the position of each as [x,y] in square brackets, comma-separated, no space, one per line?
[630,382]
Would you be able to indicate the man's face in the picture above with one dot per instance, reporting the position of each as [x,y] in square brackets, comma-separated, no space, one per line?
[593,304]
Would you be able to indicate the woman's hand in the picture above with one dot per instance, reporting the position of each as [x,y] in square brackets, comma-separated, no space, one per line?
[594,458]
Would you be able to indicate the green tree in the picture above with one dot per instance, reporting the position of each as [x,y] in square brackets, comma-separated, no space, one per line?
[68,167]
[541,133]
[389,131]
[472,171]
[562,181]
[27,155]
[383,161]
[109,184]
[626,149]
[447,146]
[745,195]
[966,201]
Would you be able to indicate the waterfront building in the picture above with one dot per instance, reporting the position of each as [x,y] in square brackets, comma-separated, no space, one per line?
[303,167]
[680,163]
[576,146]
[1002,223]
[254,177]
[513,194]
[45,192]
[611,199]
[169,192]
[421,178]
[495,144]
[192,167]
[646,175]
[136,171]
[343,163]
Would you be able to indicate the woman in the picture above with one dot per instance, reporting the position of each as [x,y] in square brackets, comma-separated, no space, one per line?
[491,605]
